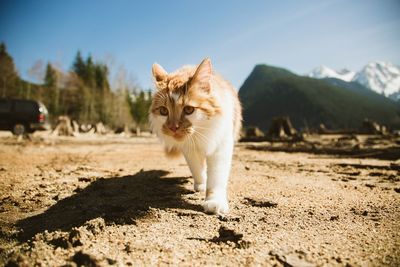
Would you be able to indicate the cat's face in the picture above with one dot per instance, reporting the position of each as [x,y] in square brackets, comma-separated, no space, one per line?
[183,101]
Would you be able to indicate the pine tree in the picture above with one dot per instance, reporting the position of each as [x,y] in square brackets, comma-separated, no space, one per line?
[101,73]
[85,71]
[90,69]
[53,92]
[140,108]
[50,79]
[79,66]
[8,73]
[96,100]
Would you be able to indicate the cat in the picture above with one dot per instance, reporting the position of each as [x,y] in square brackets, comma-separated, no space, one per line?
[194,111]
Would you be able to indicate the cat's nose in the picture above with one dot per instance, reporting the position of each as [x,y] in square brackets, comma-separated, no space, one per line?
[173,127]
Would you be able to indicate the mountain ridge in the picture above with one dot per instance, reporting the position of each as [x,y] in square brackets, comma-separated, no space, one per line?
[269,92]
[381,77]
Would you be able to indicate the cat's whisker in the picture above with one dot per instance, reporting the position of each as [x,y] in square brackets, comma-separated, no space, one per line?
[202,136]
[198,126]
[201,127]
[190,142]
[192,147]
[195,137]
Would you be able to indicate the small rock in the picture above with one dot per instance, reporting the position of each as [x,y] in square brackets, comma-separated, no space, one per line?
[83,259]
[334,218]
[60,242]
[84,179]
[75,238]
[260,203]
[96,226]
[19,261]
[111,261]
[78,190]
[227,235]
[228,219]
[128,248]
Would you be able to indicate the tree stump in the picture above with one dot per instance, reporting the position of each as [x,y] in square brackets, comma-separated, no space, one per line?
[63,127]
[281,127]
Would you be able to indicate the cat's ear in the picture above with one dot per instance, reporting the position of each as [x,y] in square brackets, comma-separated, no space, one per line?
[159,73]
[203,74]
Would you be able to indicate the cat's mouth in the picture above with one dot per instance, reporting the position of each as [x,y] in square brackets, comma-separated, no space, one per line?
[179,135]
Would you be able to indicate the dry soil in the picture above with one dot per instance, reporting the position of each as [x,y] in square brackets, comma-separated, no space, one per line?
[100,201]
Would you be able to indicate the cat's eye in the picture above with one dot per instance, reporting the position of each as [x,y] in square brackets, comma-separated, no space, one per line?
[188,110]
[163,111]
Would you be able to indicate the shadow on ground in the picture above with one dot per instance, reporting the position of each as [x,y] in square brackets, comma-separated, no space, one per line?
[119,200]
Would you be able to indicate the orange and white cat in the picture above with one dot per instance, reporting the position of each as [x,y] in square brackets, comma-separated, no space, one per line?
[197,113]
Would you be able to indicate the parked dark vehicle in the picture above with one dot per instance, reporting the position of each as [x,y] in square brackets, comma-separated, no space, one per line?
[23,116]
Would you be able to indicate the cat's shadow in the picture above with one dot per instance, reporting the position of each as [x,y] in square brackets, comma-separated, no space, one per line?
[119,200]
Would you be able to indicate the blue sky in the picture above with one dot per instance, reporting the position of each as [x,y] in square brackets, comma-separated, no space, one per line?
[236,35]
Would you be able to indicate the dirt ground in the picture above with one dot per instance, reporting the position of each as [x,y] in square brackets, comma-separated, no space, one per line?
[101,201]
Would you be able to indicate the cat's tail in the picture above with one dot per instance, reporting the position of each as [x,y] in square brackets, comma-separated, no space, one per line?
[172,152]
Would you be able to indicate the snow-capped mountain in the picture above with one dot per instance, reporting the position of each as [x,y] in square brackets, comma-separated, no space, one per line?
[382,77]
[325,72]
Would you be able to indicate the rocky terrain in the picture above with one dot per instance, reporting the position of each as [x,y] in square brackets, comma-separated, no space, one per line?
[117,201]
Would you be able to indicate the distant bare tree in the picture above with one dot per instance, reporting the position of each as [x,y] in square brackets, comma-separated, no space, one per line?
[122,85]
[36,73]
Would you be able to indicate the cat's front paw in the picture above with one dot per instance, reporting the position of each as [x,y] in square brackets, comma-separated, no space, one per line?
[199,187]
[216,206]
